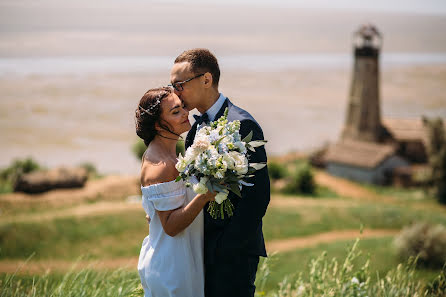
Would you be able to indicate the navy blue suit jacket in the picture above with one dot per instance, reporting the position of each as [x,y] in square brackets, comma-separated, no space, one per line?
[242,233]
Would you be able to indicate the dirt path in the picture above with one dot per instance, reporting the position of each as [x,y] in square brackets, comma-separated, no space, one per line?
[289,244]
[116,187]
[85,210]
[112,188]
[110,207]
[294,202]
[285,245]
[346,188]
[358,193]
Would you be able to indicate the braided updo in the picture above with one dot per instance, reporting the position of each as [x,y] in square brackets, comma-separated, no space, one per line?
[148,113]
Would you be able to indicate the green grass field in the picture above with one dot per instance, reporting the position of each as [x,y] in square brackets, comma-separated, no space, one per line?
[103,237]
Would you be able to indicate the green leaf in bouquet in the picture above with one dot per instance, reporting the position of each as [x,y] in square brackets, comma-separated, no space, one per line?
[218,141]
[250,148]
[209,186]
[178,178]
[257,143]
[248,137]
[219,188]
[232,179]
[251,170]
[236,190]
[246,184]
[257,166]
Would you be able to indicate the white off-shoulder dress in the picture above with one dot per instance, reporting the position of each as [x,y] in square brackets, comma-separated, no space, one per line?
[171,266]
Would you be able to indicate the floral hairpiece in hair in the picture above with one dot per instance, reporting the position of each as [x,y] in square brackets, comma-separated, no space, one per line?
[151,108]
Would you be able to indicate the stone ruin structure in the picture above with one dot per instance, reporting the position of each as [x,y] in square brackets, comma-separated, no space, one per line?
[363,120]
[372,149]
[46,180]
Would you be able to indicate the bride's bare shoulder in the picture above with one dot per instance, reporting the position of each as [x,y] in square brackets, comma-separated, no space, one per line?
[155,169]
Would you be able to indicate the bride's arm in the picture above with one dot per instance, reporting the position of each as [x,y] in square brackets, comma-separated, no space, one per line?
[175,221]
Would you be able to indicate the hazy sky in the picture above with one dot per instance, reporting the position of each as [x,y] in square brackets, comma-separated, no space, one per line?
[420,6]
[417,6]
[160,27]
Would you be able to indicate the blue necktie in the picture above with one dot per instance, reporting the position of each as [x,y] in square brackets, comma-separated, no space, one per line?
[200,119]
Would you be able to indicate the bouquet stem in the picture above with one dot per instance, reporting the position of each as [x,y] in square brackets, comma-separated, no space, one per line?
[218,210]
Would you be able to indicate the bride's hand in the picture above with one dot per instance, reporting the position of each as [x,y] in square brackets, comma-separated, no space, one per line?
[148,219]
[210,196]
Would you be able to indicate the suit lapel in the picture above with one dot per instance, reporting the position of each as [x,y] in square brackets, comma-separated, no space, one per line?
[222,109]
[190,136]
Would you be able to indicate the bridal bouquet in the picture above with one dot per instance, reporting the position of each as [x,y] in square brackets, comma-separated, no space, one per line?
[217,161]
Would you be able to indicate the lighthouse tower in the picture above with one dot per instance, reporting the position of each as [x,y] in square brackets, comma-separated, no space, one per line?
[363,120]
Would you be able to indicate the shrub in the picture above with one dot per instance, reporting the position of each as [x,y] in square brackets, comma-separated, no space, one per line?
[437,156]
[276,171]
[425,241]
[92,172]
[139,148]
[9,175]
[180,147]
[17,168]
[302,181]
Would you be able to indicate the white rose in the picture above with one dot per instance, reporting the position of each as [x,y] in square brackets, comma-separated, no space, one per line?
[191,155]
[240,162]
[221,196]
[219,175]
[229,161]
[181,164]
[200,188]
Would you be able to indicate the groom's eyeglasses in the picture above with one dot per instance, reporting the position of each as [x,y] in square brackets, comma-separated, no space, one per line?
[178,86]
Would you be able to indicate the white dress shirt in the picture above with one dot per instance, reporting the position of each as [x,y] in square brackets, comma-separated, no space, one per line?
[213,110]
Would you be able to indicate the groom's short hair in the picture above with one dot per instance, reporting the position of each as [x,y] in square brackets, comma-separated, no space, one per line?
[201,61]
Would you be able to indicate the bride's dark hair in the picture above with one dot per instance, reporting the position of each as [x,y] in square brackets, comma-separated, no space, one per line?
[149,112]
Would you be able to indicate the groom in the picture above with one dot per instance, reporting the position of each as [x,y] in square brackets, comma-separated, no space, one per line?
[232,246]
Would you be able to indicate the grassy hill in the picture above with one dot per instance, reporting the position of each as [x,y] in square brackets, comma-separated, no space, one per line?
[40,245]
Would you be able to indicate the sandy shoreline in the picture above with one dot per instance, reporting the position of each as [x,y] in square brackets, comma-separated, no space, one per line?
[68,119]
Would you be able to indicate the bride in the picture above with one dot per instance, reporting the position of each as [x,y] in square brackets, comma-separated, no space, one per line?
[171,258]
